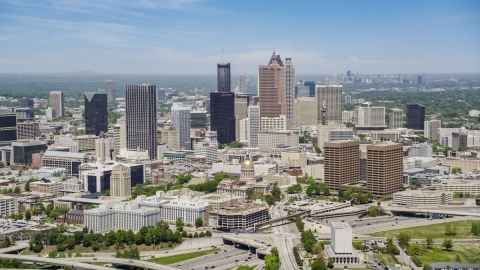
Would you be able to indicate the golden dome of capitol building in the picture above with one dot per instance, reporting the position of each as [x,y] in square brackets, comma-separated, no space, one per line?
[247,170]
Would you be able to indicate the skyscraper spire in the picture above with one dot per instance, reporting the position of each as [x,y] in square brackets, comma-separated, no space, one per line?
[273,59]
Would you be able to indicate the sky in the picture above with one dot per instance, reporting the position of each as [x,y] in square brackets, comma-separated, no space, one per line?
[191,36]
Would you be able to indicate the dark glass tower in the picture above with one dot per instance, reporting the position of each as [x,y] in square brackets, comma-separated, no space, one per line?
[415,116]
[28,103]
[222,116]
[223,78]
[311,85]
[96,113]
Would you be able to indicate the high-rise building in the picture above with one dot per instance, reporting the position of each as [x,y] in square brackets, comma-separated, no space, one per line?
[28,103]
[8,126]
[368,116]
[349,75]
[105,148]
[110,89]
[208,148]
[242,88]
[419,79]
[384,168]
[22,152]
[254,125]
[271,91]
[332,96]
[415,116]
[396,118]
[141,118]
[288,81]
[28,130]
[120,134]
[222,116]
[348,99]
[311,87]
[306,111]
[241,105]
[56,101]
[120,185]
[459,139]
[342,163]
[181,121]
[224,83]
[96,113]
[431,129]
[50,113]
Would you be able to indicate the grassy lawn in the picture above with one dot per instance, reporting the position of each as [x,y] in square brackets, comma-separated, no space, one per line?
[437,231]
[182,257]
[385,259]
[82,249]
[469,254]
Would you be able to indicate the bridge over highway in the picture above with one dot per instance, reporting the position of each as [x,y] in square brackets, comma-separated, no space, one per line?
[254,247]
[430,211]
[14,249]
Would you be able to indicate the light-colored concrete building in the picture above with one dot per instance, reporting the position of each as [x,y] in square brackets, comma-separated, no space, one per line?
[28,130]
[56,102]
[50,113]
[186,207]
[120,135]
[331,95]
[322,132]
[169,136]
[8,205]
[120,182]
[46,186]
[67,160]
[181,120]
[396,118]
[238,217]
[431,129]
[306,110]
[272,139]
[274,123]
[340,134]
[254,125]
[294,159]
[422,197]
[348,116]
[368,116]
[341,249]
[457,185]
[105,148]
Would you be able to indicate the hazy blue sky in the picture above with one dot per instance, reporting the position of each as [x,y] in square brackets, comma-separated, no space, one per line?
[187,36]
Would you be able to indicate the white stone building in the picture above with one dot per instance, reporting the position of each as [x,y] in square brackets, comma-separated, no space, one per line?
[341,249]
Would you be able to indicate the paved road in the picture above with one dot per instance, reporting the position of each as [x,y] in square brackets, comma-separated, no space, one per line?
[19,246]
[72,263]
[283,237]
[113,260]
[220,259]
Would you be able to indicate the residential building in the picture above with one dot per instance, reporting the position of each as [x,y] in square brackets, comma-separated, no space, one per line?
[28,130]
[253,125]
[331,96]
[110,89]
[8,205]
[396,118]
[431,129]
[96,113]
[415,116]
[141,118]
[384,168]
[56,102]
[342,163]
[368,116]
[120,183]
[68,160]
[306,109]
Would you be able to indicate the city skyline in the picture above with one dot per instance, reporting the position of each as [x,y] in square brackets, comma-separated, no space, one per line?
[177,37]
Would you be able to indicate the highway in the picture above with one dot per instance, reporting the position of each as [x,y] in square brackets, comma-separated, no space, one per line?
[283,237]
[61,262]
[112,260]
[217,260]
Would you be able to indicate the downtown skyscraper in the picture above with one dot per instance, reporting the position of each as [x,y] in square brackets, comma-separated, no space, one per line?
[110,89]
[141,118]
[222,106]
[271,89]
[56,102]
[288,81]
[96,113]
[242,87]
[331,96]
[182,121]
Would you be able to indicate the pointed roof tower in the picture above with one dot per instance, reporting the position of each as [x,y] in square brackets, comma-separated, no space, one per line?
[273,59]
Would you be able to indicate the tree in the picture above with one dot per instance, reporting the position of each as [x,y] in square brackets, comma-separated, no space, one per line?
[202,234]
[475,228]
[270,199]
[71,242]
[208,234]
[135,253]
[28,216]
[20,215]
[450,229]
[53,254]
[148,239]
[456,170]
[179,224]
[429,242]
[272,260]
[95,246]
[249,193]
[130,237]
[198,222]
[403,239]
[458,258]
[319,265]
[245,267]
[276,193]
[61,247]
[447,244]
[330,262]
[13,216]
[17,190]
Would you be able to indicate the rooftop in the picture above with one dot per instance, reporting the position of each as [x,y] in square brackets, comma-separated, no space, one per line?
[62,154]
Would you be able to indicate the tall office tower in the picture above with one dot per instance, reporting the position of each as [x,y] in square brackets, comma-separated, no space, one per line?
[96,113]
[120,134]
[8,126]
[368,116]
[271,91]
[28,103]
[348,99]
[50,113]
[28,130]
[311,87]
[181,120]
[110,89]
[56,102]
[222,116]
[161,94]
[254,125]
[141,118]
[349,75]
[241,105]
[415,116]
[332,96]
[305,111]
[224,83]
[120,184]
[396,118]
[105,148]
[459,139]
[384,168]
[419,79]
[342,163]
[431,129]
[288,81]
[242,87]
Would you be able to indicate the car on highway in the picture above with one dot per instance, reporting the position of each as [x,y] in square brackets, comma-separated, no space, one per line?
[94,259]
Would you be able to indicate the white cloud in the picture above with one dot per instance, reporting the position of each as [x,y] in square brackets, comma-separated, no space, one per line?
[353,59]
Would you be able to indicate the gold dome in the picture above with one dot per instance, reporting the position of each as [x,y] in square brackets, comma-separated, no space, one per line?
[247,164]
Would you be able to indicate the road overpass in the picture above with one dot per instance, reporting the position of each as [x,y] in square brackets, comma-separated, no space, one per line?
[70,262]
[430,211]
[259,225]
[254,247]
[14,249]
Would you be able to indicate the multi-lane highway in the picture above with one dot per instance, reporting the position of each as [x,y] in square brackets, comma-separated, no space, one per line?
[284,237]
